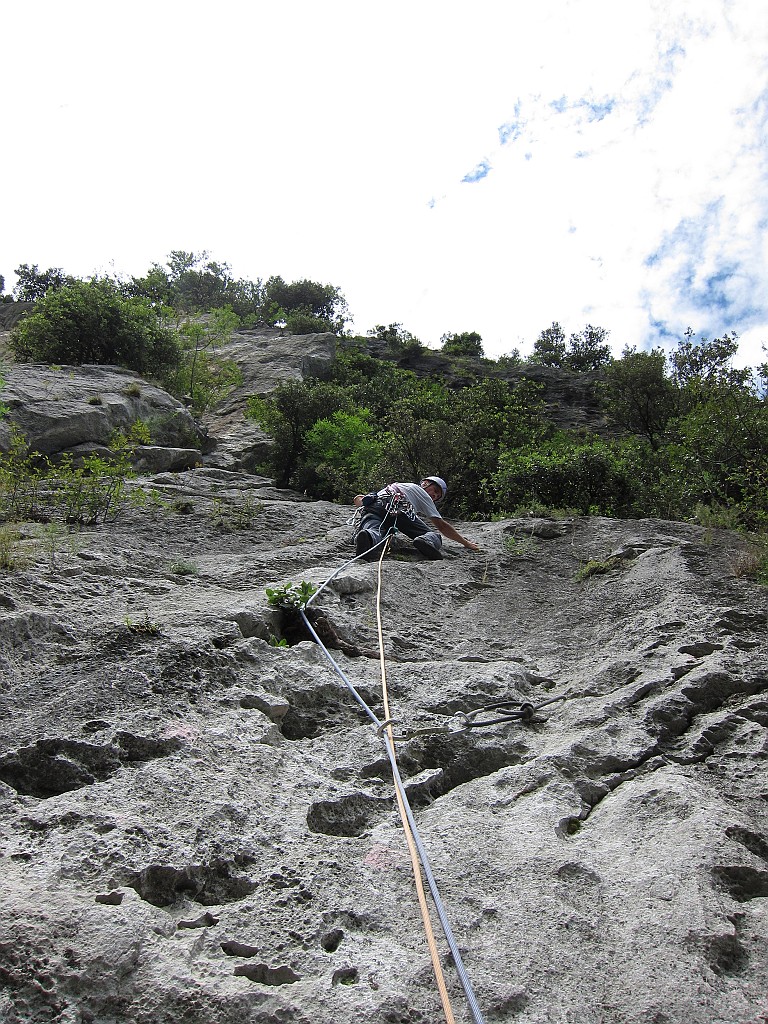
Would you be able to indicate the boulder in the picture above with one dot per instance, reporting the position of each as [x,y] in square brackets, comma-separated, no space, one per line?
[57,408]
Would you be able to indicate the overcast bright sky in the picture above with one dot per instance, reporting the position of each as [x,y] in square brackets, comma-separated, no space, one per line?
[489,166]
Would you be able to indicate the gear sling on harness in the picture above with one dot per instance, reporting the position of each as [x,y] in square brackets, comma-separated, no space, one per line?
[382,515]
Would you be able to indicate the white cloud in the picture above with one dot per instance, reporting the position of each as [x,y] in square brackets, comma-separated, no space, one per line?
[331,141]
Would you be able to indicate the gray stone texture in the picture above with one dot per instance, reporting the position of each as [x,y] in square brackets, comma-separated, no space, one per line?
[59,408]
[198,826]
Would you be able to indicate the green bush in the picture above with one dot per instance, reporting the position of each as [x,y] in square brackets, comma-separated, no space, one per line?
[342,453]
[91,322]
[563,472]
[307,323]
[290,596]
[3,406]
[32,487]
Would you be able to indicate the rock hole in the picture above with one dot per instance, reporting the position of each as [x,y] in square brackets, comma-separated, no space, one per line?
[313,711]
[206,920]
[568,826]
[298,726]
[209,884]
[726,955]
[239,949]
[56,765]
[292,628]
[754,843]
[332,940]
[144,748]
[345,976]
[460,760]
[350,816]
[742,882]
[578,874]
[264,975]
[700,650]
[33,772]
[111,899]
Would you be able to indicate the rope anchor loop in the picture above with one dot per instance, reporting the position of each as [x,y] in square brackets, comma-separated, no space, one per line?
[524,712]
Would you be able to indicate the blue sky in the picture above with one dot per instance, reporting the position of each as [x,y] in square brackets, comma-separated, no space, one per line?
[490,167]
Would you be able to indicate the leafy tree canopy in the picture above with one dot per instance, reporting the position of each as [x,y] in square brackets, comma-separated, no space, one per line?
[586,351]
[395,336]
[702,364]
[639,395]
[193,283]
[549,348]
[324,303]
[32,283]
[469,343]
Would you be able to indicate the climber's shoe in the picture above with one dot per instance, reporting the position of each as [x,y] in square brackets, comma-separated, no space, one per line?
[363,544]
[423,546]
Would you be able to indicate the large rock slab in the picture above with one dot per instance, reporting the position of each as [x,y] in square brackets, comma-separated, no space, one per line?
[198,825]
[57,408]
[266,358]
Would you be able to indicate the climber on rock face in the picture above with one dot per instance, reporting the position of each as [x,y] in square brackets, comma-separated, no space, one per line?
[412,510]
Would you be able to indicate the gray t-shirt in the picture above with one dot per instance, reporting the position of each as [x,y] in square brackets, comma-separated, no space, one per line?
[418,497]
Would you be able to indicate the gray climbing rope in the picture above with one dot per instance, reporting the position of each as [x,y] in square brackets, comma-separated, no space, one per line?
[380,727]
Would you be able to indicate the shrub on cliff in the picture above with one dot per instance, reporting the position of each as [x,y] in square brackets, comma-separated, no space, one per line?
[91,322]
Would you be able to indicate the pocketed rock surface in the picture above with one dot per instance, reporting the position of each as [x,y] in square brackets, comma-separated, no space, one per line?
[199,826]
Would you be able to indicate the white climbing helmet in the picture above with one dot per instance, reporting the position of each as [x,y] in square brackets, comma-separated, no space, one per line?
[440,483]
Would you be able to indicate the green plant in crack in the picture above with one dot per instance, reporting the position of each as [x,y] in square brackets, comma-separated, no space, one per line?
[752,561]
[148,499]
[21,480]
[182,567]
[290,596]
[33,488]
[598,568]
[4,410]
[520,547]
[11,554]
[53,539]
[138,432]
[89,492]
[142,627]
[237,515]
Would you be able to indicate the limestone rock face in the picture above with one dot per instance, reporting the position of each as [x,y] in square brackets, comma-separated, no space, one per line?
[11,313]
[198,825]
[197,816]
[58,408]
[266,358]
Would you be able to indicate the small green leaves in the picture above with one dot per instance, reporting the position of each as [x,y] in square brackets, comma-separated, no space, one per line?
[290,596]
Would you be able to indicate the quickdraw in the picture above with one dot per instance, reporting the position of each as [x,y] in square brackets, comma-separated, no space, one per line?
[507,711]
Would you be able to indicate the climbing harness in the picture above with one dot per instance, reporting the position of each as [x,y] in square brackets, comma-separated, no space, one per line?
[386,510]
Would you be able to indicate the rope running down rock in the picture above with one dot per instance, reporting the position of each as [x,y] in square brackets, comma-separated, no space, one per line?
[384,729]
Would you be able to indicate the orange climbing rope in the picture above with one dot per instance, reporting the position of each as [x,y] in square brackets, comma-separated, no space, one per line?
[415,863]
